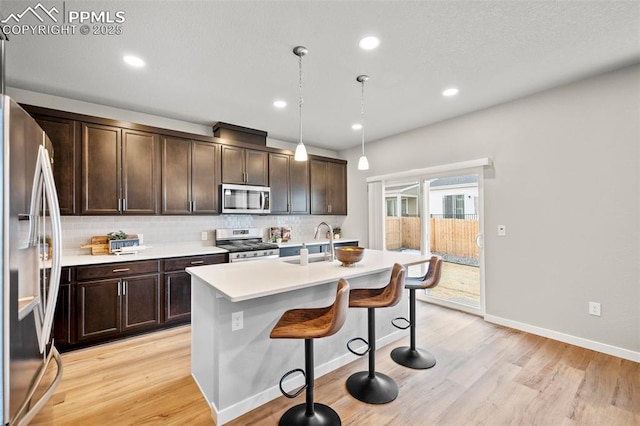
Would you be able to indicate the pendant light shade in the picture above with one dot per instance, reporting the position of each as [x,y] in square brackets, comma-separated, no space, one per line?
[301,150]
[363,163]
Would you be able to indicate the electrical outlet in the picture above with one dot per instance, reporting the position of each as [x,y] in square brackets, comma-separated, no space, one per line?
[594,308]
[502,230]
[237,321]
[204,235]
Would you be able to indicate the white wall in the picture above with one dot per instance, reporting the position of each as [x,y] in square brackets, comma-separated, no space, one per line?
[553,153]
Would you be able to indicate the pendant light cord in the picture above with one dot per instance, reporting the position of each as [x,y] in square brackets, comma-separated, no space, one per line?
[362,114]
[300,101]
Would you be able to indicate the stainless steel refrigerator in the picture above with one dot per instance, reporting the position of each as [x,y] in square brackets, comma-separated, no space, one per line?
[30,247]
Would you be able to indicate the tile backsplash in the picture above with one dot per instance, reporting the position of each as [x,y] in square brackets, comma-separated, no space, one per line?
[78,230]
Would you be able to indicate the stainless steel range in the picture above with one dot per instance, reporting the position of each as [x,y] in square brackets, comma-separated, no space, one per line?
[245,244]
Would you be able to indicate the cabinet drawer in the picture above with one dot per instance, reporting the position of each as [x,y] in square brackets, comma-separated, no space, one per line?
[116,270]
[179,263]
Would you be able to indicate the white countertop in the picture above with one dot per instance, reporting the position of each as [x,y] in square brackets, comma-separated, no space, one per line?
[250,280]
[156,251]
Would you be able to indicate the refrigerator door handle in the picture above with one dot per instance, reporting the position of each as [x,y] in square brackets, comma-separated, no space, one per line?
[32,408]
[44,178]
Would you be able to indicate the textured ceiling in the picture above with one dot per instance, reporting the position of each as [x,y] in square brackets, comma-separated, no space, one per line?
[211,61]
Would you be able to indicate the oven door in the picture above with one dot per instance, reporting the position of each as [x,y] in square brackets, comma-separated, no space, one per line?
[244,199]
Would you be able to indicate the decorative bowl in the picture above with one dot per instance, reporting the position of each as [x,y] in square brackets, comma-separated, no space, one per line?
[349,255]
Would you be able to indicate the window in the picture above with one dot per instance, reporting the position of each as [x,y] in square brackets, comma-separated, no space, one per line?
[453,206]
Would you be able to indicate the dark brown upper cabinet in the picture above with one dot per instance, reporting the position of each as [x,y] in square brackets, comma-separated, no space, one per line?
[245,166]
[328,182]
[64,135]
[119,171]
[190,176]
[289,182]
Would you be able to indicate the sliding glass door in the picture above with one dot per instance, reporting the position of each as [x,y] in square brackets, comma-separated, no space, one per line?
[440,215]
[454,230]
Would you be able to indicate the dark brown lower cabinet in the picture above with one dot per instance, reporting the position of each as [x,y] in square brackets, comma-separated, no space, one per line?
[177,285]
[99,303]
[113,306]
[177,293]
[63,330]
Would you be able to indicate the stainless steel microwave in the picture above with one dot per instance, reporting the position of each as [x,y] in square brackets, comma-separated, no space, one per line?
[244,199]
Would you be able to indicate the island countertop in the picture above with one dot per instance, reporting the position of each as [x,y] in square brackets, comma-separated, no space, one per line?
[250,280]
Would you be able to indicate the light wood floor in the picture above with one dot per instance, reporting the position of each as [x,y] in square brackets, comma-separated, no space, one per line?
[485,375]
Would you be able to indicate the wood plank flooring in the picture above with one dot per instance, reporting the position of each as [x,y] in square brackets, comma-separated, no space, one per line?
[485,375]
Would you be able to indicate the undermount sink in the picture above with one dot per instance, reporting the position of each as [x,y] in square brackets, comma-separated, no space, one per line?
[314,259]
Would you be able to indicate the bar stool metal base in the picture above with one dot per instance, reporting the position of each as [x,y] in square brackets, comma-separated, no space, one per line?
[379,389]
[323,416]
[418,359]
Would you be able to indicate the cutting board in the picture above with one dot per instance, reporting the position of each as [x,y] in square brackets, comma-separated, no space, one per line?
[99,245]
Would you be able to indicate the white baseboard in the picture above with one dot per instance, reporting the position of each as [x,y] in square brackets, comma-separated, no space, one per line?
[566,338]
[226,415]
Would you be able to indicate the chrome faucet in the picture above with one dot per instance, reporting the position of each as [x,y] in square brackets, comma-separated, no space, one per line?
[332,253]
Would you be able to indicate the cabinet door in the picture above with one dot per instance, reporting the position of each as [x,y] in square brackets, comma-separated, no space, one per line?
[99,309]
[336,188]
[66,160]
[141,302]
[62,329]
[139,172]
[100,169]
[62,318]
[298,187]
[279,183]
[176,176]
[177,294]
[204,179]
[257,167]
[318,185]
[233,165]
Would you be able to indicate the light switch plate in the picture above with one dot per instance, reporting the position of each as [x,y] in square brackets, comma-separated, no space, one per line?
[204,235]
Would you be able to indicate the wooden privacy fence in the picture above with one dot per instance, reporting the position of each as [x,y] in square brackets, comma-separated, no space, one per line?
[448,236]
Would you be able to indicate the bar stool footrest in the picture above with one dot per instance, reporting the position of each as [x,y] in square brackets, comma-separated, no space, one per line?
[358,339]
[323,416]
[394,322]
[379,389]
[418,359]
[299,391]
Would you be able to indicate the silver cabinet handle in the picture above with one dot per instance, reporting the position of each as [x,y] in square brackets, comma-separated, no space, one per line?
[121,270]
[119,288]
[197,262]
[124,204]
[124,287]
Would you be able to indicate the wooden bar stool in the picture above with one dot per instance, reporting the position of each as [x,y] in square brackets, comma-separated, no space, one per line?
[309,324]
[370,386]
[410,356]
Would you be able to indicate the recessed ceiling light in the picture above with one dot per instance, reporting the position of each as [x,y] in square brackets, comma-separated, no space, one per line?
[357,126]
[134,61]
[452,91]
[369,42]
[279,104]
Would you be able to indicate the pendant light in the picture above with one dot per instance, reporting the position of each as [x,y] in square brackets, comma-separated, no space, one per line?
[363,163]
[301,151]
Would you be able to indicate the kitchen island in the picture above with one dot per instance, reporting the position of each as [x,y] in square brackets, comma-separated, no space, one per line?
[239,370]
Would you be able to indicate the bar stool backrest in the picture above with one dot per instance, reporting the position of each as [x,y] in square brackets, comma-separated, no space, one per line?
[340,307]
[393,291]
[432,278]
